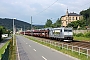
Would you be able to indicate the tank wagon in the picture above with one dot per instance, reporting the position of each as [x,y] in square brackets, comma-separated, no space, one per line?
[62,33]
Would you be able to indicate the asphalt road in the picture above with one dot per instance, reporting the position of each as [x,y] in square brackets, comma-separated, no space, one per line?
[29,50]
[2,43]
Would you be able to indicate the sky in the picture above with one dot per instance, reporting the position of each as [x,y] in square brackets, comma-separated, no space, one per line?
[40,10]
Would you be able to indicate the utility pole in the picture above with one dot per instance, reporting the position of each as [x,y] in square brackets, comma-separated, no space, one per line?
[13,30]
[24,29]
[31,22]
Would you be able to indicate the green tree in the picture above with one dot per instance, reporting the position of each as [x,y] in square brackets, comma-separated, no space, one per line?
[53,25]
[86,15]
[48,23]
[3,31]
[58,22]
[75,24]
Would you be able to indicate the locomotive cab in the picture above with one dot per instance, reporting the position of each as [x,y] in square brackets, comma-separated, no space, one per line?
[62,33]
[68,34]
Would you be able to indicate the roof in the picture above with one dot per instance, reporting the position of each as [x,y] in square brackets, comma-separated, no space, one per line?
[71,14]
[74,14]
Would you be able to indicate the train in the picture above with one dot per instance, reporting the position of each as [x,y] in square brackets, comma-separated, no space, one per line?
[61,33]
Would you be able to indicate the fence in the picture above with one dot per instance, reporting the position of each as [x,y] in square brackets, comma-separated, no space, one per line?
[80,50]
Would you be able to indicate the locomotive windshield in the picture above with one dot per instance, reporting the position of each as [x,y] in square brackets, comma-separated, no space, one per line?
[56,31]
[67,30]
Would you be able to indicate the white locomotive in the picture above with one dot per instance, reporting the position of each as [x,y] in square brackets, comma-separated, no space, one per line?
[62,33]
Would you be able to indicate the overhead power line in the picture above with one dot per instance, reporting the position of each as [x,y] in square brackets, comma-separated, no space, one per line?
[83,5]
[47,7]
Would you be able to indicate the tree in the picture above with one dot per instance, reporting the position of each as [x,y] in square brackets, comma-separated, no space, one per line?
[58,22]
[75,24]
[86,15]
[48,23]
[3,31]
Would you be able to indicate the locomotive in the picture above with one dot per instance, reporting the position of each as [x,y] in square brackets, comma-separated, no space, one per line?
[61,33]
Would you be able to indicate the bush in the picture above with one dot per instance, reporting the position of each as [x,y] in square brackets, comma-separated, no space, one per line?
[80,35]
[87,34]
[74,34]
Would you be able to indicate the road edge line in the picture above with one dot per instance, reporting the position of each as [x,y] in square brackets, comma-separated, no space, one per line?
[17,50]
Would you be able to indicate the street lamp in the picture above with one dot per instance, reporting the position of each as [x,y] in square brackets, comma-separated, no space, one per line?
[13,30]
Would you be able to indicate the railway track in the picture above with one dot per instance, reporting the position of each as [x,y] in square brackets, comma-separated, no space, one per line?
[74,43]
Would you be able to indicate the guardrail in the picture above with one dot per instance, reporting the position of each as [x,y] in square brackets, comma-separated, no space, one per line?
[5,56]
[80,50]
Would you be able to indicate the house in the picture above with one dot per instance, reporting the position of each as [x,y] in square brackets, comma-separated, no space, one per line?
[70,17]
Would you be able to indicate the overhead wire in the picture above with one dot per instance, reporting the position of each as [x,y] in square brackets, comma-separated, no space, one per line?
[81,6]
[53,4]
[46,8]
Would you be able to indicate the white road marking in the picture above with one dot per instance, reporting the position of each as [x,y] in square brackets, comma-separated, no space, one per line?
[34,49]
[26,43]
[29,46]
[17,51]
[44,58]
[55,50]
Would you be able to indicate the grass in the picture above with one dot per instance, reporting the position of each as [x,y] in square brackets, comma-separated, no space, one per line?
[81,38]
[2,50]
[12,50]
[69,52]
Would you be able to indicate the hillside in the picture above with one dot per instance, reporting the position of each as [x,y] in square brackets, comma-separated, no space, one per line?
[8,24]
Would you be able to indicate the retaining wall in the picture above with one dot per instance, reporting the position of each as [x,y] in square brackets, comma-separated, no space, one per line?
[80,31]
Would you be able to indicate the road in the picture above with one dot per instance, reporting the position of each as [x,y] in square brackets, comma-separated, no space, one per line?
[3,42]
[29,50]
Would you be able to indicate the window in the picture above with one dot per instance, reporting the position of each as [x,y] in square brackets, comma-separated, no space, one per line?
[69,18]
[73,18]
[79,18]
[66,22]
[56,31]
[76,18]
[61,30]
[67,30]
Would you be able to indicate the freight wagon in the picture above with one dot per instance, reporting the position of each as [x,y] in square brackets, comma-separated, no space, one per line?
[62,33]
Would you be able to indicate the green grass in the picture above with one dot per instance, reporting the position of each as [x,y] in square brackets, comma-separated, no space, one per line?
[69,52]
[12,50]
[3,48]
[81,38]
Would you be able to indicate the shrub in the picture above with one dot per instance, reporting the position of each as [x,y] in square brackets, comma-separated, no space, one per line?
[74,34]
[80,35]
[87,34]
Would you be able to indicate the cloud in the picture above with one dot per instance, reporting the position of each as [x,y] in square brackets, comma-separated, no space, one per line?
[38,9]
